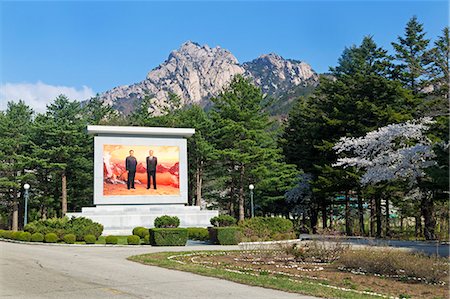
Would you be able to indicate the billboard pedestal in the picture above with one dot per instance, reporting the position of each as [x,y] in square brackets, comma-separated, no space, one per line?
[121,219]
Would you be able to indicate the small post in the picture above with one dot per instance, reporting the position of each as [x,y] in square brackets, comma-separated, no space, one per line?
[251,187]
[26,187]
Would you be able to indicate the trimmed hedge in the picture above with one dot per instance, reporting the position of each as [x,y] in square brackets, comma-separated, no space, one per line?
[25,236]
[133,240]
[167,221]
[37,237]
[140,231]
[147,239]
[111,240]
[16,235]
[90,239]
[7,234]
[223,220]
[225,235]
[168,236]
[51,238]
[198,233]
[267,229]
[70,238]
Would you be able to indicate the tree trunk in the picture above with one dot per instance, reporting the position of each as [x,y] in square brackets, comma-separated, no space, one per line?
[372,217]
[427,207]
[324,214]
[388,228]
[348,225]
[361,214]
[241,195]
[331,215]
[199,181]
[64,194]
[378,216]
[15,216]
[313,219]
[418,225]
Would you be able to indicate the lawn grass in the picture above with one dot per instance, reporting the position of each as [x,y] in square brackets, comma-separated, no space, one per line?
[278,282]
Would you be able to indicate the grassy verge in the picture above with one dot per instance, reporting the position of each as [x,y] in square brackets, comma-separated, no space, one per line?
[278,282]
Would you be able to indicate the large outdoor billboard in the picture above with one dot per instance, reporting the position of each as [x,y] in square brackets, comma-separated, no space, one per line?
[139,170]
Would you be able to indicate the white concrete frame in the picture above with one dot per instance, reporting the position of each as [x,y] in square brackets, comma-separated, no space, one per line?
[100,141]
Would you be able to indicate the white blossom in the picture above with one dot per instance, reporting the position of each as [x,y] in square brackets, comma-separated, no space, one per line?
[391,152]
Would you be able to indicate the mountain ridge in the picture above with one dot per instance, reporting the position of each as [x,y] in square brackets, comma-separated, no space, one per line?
[198,72]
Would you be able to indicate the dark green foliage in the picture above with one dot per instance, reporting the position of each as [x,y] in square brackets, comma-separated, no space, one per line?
[225,235]
[90,239]
[25,236]
[167,222]
[140,231]
[111,240]
[198,233]
[69,238]
[223,220]
[267,228]
[79,226]
[168,236]
[51,238]
[37,237]
[133,240]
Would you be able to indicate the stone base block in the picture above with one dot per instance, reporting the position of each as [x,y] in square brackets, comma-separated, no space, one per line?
[121,219]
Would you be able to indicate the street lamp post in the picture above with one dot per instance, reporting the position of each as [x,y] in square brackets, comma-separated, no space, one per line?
[251,187]
[26,187]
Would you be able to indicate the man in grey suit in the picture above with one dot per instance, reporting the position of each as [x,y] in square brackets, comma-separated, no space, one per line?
[152,161]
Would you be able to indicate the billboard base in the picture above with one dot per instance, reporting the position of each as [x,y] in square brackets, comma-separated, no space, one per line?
[121,219]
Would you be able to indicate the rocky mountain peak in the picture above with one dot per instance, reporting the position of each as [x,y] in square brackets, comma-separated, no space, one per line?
[197,73]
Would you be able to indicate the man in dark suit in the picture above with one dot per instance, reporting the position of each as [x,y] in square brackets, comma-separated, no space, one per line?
[130,164]
[152,161]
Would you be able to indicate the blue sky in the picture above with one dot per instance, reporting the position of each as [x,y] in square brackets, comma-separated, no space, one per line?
[89,47]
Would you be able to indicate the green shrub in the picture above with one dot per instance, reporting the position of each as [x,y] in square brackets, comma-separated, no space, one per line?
[223,220]
[225,235]
[16,235]
[396,262]
[69,238]
[133,240]
[266,229]
[168,236]
[111,240]
[7,234]
[90,239]
[37,237]
[198,233]
[51,238]
[167,222]
[147,239]
[140,231]
[2,231]
[57,226]
[79,226]
[25,236]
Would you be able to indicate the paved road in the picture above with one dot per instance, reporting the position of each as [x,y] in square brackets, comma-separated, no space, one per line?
[41,271]
[427,247]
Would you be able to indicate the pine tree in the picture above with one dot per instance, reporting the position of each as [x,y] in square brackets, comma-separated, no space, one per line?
[245,146]
[15,125]
[62,146]
[438,69]
[411,52]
